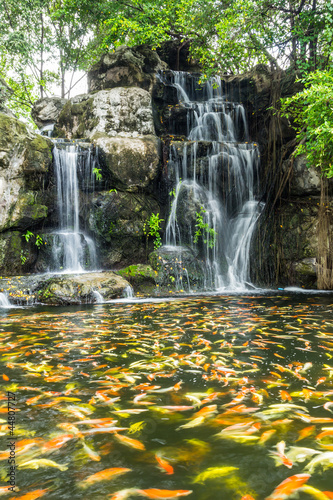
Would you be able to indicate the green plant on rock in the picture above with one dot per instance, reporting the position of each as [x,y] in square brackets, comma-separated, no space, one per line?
[24,256]
[151,227]
[38,239]
[98,175]
[28,235]
[111,227]
[204,231]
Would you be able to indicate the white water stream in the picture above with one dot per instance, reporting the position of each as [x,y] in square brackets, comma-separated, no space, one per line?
[222,187]
[73,251]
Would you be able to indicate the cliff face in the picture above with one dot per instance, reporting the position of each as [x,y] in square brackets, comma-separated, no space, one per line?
[131,118]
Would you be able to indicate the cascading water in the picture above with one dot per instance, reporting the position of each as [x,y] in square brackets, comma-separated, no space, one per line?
[215,171]
[72,250]
[4,302]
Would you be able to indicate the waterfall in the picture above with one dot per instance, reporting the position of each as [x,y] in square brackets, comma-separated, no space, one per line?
[4,302]
[72,249]
[214,174]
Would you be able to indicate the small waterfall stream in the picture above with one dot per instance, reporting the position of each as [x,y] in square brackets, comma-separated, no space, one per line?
[73,251]
[215,181]
[4,302]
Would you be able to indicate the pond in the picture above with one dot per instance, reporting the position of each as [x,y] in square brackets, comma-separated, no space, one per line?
[215,397]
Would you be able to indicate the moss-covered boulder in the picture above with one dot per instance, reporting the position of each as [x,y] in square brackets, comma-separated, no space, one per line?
[141,277]
[117,221]
[130,164]
[25,159]
[85,288]
[125,67]
[125,112]
[16,255]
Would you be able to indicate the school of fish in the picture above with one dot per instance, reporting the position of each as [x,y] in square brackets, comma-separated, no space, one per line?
[205,398]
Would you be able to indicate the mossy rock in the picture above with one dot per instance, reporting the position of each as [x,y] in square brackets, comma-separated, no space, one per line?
[117,219]
[16,255]
[82,288]
[177,269]
[141,277]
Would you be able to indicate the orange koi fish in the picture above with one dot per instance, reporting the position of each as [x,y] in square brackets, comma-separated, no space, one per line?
[288,486]
[32,495]
[285,395]
[164,465]
[132,443]
[104,475]
[57,442]
[164,494]
[307,431]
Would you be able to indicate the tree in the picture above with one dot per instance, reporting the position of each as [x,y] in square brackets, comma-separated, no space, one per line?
[312,113]
[228,36]
[41,42]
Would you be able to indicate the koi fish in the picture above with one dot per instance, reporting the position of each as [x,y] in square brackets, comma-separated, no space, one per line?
[91,453]
[157,494]
[164,465]
[324,459]
[104,475]
[32,495]
[56,443]
[288,486]
[281,455]
[43,462]
[214,472]
[132,443]
[5,491]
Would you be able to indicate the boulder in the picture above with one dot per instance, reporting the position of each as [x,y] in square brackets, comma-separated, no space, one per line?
[141,277]
[46,111]
[84,288]
[130,164]
[125,67]
[177,269]
[25,159]
[16,255]
[304,180]
[117,221]
[125,112]
[297,236]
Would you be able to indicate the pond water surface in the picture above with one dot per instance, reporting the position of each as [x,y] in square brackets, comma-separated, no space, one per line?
[202,397]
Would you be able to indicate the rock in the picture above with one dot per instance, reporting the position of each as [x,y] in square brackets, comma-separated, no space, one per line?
[304,180]
[117,219]
[46,111]
[305,272]
[141,277]
[25,159]
[191,197]
[72,289]
[125,112]
[177,268]
[125,67]
[130,164]
[23,290]
[297,242]
[16,255]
